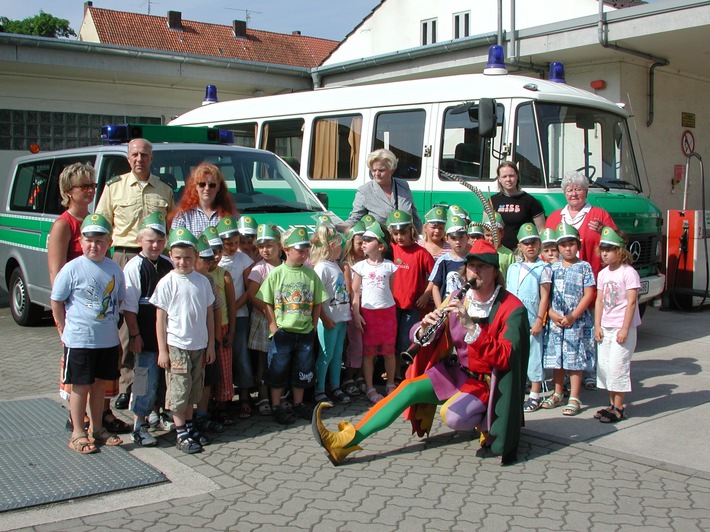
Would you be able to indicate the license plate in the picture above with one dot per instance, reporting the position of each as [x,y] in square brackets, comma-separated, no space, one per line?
[644,288]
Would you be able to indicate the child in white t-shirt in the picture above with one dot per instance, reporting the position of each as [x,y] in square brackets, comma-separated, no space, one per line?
[186,334]
[374,310]
[325,251]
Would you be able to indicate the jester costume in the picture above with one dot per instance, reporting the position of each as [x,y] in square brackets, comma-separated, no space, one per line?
[480,384]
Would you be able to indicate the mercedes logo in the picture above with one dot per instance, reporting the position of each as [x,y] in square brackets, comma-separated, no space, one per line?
[635,250]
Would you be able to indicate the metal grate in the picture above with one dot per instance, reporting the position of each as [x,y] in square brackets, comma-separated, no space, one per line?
[37,467]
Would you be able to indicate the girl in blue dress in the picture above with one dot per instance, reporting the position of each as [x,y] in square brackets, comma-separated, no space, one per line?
[570,343]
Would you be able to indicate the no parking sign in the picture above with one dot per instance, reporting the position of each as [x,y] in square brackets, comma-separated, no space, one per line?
[687,142]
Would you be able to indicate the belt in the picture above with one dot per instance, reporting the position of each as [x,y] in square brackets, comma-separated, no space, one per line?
[123,249]
[483,377]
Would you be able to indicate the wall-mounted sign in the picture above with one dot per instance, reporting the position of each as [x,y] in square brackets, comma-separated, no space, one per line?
[687,120]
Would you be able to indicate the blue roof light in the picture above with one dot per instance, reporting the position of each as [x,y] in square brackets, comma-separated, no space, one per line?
[496,62]
[557,72]
[210,95]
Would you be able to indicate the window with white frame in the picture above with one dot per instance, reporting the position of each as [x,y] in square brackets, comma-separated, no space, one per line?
[462,24]
[428,31]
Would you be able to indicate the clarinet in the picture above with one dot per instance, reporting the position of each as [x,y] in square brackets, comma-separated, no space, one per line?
[429,333]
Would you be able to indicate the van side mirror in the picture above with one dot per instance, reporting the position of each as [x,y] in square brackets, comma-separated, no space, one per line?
[323,198]
[487,118]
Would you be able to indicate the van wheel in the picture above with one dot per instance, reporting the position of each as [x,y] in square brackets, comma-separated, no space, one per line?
[24,312]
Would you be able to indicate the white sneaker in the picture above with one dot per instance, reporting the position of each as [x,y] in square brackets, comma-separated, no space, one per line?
[153,420]
[142,437]
[166,423]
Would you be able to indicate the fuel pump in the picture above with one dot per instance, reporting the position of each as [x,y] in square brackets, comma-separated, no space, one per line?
[687,266]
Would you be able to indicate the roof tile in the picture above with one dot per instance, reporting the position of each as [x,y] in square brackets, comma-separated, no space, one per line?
[200,38]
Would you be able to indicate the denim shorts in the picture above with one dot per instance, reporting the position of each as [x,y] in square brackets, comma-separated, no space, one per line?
[290,360]
[146,377]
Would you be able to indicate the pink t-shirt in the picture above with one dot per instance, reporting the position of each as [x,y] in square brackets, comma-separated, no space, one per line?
[614,285]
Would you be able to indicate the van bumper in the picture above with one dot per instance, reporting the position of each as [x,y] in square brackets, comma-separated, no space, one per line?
[651,287]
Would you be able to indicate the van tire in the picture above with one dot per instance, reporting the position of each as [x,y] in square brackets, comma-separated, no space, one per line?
[24,312]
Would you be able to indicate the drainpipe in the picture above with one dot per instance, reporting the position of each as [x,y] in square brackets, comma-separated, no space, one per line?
[500,23]
[315,77]
[513,57]
[657,61]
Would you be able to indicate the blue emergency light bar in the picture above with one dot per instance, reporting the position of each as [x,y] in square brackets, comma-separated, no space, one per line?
[119,134]
[557,72]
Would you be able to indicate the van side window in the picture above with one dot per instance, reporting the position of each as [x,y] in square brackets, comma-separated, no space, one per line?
[335,151]
[285,139]
[402,132]
[244,134]
[527,148]
[111,166]
[53,204]
[460,143]
[30,187]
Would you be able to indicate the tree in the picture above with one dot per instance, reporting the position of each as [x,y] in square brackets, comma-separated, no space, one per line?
[42,25]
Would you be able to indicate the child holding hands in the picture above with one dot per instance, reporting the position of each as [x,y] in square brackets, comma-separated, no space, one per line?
[530,281]
[570,344]
[616,317]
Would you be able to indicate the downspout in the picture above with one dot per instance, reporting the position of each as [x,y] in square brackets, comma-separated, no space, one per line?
[657,61]
[500,23]
[315,77]
[513,57]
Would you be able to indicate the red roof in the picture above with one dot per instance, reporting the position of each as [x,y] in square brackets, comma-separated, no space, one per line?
[215,40]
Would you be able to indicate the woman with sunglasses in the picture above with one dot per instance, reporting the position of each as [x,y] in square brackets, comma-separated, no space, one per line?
[77,187]
[205,201]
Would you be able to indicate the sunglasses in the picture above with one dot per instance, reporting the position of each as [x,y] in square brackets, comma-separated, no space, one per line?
[203,184]
[88,187]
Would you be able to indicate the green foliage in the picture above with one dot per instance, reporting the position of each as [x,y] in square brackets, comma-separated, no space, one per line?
[42,25]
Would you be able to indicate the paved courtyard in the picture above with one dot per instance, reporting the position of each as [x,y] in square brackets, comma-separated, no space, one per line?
[651,471]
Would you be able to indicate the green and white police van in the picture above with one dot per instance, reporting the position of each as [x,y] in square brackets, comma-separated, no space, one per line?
[262,184]
[464,125]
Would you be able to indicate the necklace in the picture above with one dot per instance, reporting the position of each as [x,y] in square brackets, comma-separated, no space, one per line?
[153,263]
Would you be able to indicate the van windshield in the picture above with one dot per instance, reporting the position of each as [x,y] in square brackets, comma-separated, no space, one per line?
[568,137]
[258,180]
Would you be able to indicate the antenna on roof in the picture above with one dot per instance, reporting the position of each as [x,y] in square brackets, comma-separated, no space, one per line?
[149,3]
[247,13]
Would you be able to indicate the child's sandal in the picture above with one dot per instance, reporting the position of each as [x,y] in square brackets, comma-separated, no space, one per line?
[573,407]
[104,437]
[389,388]
[82,444]
[552,402]
[373,396]
[613,416]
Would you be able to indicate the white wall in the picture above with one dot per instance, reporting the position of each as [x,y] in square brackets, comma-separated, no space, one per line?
[395,25]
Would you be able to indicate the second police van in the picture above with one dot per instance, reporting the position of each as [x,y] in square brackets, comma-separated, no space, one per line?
[464,125]
[261,183]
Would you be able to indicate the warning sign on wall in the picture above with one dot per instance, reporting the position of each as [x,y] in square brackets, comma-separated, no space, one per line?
[687,120]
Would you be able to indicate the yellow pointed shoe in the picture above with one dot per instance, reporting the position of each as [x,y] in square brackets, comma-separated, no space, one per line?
[333,442]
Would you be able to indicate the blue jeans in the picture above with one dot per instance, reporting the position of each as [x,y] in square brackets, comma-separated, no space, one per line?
[290,359]
[406,319]
[146,376]
[242,369]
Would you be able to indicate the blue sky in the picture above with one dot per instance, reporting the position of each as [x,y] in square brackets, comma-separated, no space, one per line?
[329,19]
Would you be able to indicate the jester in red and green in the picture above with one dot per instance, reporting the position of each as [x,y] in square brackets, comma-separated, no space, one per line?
[474,369]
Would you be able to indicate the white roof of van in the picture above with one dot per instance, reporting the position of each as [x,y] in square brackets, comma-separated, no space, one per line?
[412,92]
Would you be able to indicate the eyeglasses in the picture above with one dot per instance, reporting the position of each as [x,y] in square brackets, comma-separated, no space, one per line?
[203,184]
[575,190]
[86,187]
